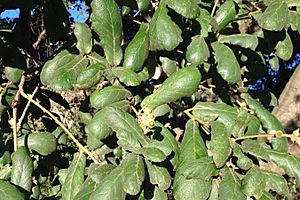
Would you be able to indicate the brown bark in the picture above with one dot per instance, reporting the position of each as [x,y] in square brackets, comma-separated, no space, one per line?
[288,109]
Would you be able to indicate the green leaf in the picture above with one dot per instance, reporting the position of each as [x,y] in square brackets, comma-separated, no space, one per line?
[243,161]
[266,196]
[138,49]
[74,178]
[269,122]
[255,148]
[214,192]
[208,112]
[62,71]
[110,94]
[228,67]
[290,163]
[219,144]
[187,8]
[295,20]
[230,186]
[22,169]
[284,49]
[180,84]
[143,5]
[274,62]
[13,74]
[202,168]
[120,120]
[276,183]
[36,142]
[207,22]
[126,76]
[134,175]
[84,38]
[275,17]
[164,33]
[153,153]
[10,192]
[197,51]
[5,172]
[243,40]
[242,122]
[90,76]
[107,23]
[168,66]
[159,176]
[95,58]
[159,194]
[254,183]
[127,141]
[225,14]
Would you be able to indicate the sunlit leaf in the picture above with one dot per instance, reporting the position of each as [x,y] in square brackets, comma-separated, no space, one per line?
[10,192]
[276,182]
[84,38]
[90,76]
[284,49]
[243,40]
[159,176]
[197,51]
[207,22]
[187,8]
[254,183]
[126,76]
[225,14]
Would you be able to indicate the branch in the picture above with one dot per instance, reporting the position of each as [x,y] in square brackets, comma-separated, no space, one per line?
[41,36]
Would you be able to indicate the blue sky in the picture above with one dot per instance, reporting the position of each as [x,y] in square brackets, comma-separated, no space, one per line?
[79,15]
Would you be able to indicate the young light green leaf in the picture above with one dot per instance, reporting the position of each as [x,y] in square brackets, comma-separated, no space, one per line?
[22,169]
[225,14]
[153,153]
[128,142]
[74,178]
[62,71]
[84,38]
[269,122]
[284,49]
[164,33]
[275,17]
[230,186]
[90,76]
[197,51]
[118,119]
[276,183]
[36,142]
[137,50]
[202,168]
[295,20]
[159,176]
[243,40]
[228,67]
[110,94]
[219,144]
[10,192]
[180,84]
[254,183]
[107,23]
[187,8]
[126,76]
[208,112]
[274,62]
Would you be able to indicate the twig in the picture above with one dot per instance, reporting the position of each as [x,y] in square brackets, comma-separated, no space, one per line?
[19,124]
[214,8]
[79,145]
[41,36]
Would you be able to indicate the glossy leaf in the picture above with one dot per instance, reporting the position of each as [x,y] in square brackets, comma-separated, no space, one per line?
[36,142]
[208,112]
[207,22]
[126,76]
[254,183]
[121,120]
[159,176]
[134,175]
[22,169]
[276,183]
[275,17]
[137,50]
[168,66]
[219,144]
[243,40]
[61,72]
[187,8]
[90,76]
[164,33]
[143,5]
[180,84]
[107,23]
[197,51]
[225,14]
[10,192]
[284,49]
[269,122]
[74,178]
[110,94]
[84,38]
[230,186]
[227,65]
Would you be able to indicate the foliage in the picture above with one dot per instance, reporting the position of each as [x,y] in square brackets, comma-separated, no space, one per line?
[162,113]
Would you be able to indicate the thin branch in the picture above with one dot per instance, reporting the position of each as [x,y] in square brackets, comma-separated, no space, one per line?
[79,145]
[41,36]
[214,8]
